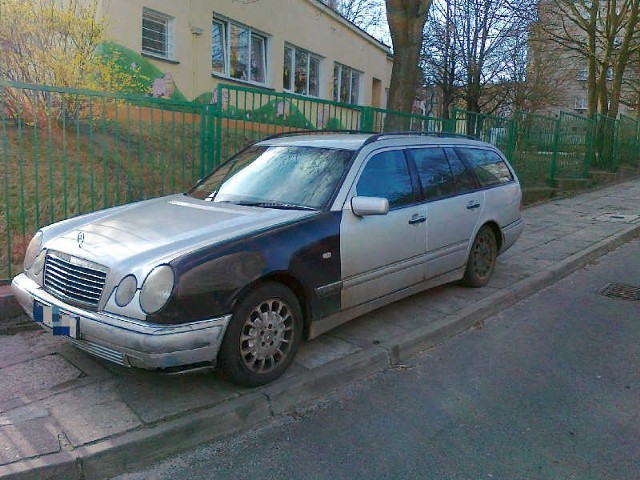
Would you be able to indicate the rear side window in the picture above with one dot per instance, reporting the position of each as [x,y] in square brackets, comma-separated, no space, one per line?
[487,165]
[434,172]
[387,175]
[463,176]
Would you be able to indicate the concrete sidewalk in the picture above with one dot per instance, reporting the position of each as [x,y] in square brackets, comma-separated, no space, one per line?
[66,415]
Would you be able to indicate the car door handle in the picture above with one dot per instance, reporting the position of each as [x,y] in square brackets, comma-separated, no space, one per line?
[473,204]
[417,219]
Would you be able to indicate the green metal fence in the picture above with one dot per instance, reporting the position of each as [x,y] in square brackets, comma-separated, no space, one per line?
[628,143]
[488,128]
[243,116]
[573,147]
[65,152]
[605,143]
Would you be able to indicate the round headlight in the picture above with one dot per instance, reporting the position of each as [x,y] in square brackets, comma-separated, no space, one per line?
[35,245]
[126,290]
[156,289]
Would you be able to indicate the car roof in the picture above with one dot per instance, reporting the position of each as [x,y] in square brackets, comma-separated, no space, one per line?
[354,141]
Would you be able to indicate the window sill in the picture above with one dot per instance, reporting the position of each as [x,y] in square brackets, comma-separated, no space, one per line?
[242,82]
[159,58]
[302,95]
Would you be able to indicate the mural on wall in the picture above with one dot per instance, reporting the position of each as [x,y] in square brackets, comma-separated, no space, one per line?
[163,87]
[151,81]
[148,79]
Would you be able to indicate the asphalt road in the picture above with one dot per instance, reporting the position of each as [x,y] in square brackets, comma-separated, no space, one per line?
[548,389]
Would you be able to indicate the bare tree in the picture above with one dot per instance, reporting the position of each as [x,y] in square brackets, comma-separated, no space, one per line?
[476,50]
[440,63]
[604,34]
[366,14]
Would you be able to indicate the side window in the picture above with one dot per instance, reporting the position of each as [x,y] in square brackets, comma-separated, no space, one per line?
[488,166]
[464,178]
[387,175]
[434,172]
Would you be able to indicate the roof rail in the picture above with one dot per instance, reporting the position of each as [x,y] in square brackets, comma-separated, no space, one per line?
[379,136]
[316,132]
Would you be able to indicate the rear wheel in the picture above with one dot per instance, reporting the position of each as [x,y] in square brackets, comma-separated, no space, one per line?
[263,335]
[482,258]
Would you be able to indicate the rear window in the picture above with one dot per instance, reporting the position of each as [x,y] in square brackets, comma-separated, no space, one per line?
[488,166]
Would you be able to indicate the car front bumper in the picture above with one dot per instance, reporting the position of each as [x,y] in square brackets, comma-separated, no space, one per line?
[130,342]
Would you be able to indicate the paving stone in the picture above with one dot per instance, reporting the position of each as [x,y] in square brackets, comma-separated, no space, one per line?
[417,316]
[27,439]
[22,414]
[90,413]
[369,329]
[153,396]
[27,378]
[322,350]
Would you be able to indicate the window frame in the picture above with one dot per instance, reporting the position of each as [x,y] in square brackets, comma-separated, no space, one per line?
[580,103]
[226,25]
[292,70]
[151,15]
[337,83]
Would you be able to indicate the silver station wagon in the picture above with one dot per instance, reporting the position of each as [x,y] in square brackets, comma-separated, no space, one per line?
[291,237]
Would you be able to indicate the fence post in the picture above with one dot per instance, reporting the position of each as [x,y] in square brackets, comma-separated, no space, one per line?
[217,157]
[554,156]
[366,119]
[451,124]
[616,145]
[512,126]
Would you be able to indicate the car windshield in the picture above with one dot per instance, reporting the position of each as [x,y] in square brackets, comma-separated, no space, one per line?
[277,177]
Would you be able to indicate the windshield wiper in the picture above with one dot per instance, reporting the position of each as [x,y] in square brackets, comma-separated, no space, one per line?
[280,205]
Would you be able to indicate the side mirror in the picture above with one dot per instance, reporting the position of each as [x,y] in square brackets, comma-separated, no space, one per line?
[363,206]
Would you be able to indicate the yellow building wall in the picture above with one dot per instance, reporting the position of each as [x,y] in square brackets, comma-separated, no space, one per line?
[303,23]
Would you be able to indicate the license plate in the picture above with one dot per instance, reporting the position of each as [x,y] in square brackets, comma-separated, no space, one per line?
[61,323]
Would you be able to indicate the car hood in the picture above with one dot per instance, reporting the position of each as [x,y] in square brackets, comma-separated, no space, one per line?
[158,230]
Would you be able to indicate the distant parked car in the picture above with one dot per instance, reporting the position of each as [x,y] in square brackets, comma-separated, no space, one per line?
[293,236]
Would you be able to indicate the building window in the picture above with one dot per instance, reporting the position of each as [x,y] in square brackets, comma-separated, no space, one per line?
[157,34]
[610,73]
[582,75]
[301,72]
[581,103]
[346,84]
[238,52]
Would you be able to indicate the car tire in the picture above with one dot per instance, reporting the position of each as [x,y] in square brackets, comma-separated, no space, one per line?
[482,258]
[263,335]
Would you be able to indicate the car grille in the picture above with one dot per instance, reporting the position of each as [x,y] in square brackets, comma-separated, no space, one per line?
[74,279]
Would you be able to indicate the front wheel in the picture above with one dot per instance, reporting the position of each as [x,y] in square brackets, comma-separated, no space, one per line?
[482,258]
[263,335]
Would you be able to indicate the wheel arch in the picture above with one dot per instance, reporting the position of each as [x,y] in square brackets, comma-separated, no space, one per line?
[497,232]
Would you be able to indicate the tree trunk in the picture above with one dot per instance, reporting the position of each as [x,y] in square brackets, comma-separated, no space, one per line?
[592,91]
[406,22]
